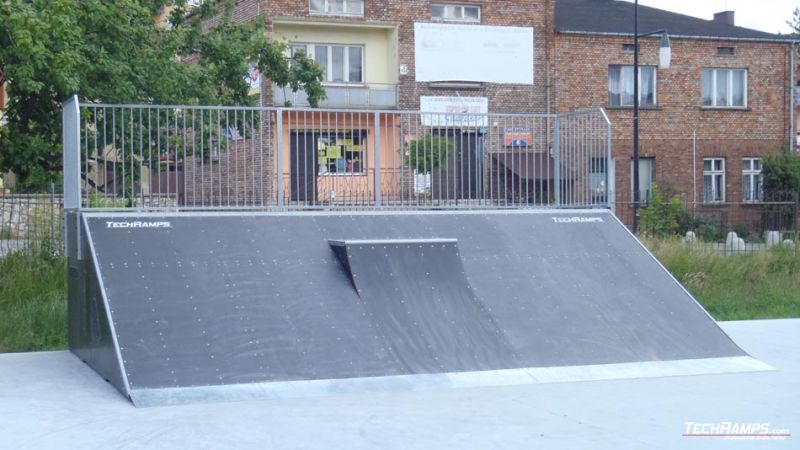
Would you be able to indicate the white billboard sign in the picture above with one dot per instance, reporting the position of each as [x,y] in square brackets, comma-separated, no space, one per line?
[478,53]
[454,111]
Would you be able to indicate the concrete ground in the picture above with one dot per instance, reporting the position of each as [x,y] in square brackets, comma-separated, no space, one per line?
[52,400]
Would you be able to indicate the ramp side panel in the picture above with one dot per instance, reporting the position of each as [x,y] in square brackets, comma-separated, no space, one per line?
[418,298]
[91,332]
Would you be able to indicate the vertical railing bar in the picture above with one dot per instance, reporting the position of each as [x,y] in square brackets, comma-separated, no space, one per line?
[220,136]
[557,161]
[234,147]
[140,164]
[261,153]
[203,157]
[377,160]
[279,153]
[609,162]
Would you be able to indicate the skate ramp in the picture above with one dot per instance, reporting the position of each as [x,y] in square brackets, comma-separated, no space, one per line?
[196,307]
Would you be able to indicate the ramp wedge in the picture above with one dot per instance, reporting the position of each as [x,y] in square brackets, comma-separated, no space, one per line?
[175,308]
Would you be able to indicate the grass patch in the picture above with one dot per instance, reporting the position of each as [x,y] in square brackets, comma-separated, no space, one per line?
[760,285]
[33,301]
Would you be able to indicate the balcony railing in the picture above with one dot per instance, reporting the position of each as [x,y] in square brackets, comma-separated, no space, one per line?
[372,95]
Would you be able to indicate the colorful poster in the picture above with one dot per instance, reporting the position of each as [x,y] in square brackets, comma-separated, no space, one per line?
[518,137]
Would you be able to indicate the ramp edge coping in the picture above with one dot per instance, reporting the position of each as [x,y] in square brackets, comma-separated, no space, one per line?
[346,242]
[421,382]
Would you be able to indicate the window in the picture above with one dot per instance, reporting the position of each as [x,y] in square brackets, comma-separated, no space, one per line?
[342,63]
[620,86]
[457,13]
[628,48]
[646,179]
[725,51]
[597,179]
[338,7]
[341,153]
[714,180]
[725,88]
[752,180]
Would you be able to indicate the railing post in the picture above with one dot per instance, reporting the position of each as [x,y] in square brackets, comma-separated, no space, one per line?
[611,181]
[279,150]
[71,136]
[377,160]
[557,160]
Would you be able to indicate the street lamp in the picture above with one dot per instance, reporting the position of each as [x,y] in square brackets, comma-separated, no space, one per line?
[664,60]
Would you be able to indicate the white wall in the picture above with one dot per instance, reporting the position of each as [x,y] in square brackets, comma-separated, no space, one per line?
[479,53]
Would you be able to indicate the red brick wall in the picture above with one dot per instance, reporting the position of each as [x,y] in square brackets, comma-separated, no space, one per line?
[666,133]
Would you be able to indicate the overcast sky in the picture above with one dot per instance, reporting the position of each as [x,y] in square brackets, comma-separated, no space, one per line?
[764,15]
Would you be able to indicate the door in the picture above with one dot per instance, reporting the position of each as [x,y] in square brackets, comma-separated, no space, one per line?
[461,178]
[303,167]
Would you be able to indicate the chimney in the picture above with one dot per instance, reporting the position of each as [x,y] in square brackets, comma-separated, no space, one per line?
[726,17]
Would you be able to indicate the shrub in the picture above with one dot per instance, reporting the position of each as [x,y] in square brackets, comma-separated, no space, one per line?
[660,218]
[741,230]
[428,152]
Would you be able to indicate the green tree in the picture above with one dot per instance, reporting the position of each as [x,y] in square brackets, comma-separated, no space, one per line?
[781,176]
[428,152]
[114,52]
[660,218]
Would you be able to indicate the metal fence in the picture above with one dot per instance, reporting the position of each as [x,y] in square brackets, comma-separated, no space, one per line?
[31,221]
[196,157]
[731,227]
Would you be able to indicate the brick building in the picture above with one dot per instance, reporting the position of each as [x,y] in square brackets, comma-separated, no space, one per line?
[705,123]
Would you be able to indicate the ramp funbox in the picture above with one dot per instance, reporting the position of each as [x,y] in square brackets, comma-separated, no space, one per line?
[205,306]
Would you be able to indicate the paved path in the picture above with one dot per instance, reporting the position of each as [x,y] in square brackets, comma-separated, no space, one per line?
[52,400]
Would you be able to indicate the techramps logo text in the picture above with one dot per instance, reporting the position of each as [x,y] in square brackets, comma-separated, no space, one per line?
[138,224]
[578,219]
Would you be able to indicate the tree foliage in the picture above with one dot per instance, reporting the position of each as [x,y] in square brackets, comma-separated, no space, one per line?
[428,152]
[114,52]
[781,176]
[661,217]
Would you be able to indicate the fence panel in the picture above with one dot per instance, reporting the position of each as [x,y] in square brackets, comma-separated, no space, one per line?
[31,222]
[194,157]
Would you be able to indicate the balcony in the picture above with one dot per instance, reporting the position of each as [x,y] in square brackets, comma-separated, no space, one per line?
[371,95]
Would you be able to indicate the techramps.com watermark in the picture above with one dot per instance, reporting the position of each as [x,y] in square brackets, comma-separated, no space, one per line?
[735,431]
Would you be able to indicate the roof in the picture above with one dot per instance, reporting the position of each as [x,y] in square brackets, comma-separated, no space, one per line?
[616,17]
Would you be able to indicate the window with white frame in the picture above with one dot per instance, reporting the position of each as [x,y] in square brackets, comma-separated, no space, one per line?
[456,13]
[714,180]
[338,7]
[724,88]
[342,63]
[620,85]
[752,180]
[646,179]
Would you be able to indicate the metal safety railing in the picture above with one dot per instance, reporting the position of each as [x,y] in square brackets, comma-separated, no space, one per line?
[201,157]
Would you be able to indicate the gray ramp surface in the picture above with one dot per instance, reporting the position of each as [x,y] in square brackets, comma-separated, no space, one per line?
[227,299]
[418,299]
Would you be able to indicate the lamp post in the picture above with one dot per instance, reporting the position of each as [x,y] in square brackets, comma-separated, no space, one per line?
[664,60]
